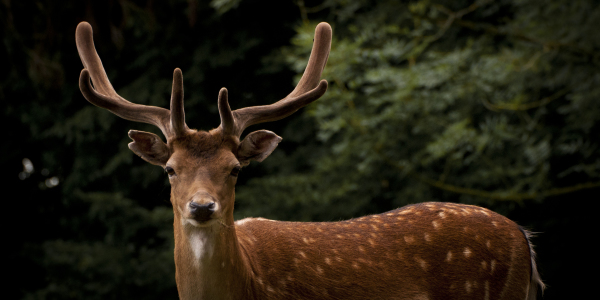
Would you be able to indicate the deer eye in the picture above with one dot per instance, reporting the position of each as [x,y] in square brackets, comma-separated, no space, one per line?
[170,171]
[235,171]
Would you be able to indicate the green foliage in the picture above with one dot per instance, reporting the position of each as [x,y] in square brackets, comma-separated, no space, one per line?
[133,252]
[486,102]
[466,97]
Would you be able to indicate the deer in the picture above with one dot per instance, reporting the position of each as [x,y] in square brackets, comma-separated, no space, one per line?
[432,250]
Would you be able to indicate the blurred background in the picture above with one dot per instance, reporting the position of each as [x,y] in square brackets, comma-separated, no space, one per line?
[491,103]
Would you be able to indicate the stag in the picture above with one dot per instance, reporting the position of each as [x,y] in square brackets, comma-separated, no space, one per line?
[423,251]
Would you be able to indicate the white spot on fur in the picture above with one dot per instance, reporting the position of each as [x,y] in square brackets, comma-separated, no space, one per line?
[492,266]
[467,252]
[495,223]
[488,244]
[421,262]
[319,270]
[449,256]
[435,224]
[486,285]
[308,240]
[427,237]
[302,254]
[468,286]
[442,215]
[328,260]
[243,221]
[263,219]
[409,239]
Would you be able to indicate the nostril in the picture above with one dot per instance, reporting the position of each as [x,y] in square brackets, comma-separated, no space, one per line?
[201,212]
[194,207]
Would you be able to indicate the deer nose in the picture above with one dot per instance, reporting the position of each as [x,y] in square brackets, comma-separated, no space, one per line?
[202,212]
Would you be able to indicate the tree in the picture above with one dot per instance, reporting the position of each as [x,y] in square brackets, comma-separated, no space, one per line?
[488,103]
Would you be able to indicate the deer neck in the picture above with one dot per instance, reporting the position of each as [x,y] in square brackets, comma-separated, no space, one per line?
[209,262]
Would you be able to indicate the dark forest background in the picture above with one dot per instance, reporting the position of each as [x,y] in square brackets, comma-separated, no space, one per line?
[492,103]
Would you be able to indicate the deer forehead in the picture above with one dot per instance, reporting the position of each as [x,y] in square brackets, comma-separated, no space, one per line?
[203,146]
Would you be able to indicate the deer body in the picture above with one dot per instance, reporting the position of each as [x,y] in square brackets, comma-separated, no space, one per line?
[424,251]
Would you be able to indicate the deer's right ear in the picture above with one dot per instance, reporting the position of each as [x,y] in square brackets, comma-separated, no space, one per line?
[149,147]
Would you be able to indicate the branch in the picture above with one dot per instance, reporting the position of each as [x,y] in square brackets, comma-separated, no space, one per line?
[317,8]
[452,17]
[505,195]
[300,4]
[546,45]
[455,19]
[524,106]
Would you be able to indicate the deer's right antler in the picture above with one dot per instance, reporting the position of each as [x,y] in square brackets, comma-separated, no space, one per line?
[308,90]
[102,94]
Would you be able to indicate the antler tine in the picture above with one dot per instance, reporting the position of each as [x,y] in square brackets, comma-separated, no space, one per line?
[316,63]
[177,112]
[227,119]
[309,88]
[103,94]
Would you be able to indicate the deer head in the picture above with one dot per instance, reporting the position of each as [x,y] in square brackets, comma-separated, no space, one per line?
[202,166]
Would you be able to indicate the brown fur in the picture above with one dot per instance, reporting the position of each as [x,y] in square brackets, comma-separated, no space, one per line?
[396,255]
[203,144]
[422,251]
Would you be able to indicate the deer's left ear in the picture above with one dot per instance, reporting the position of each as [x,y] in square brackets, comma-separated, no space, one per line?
[257,146]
